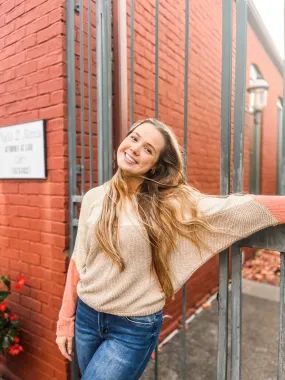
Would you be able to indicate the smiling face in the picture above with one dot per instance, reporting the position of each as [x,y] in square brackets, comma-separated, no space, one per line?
[140,150]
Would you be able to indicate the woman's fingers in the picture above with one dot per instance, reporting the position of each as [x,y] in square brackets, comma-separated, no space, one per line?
[62,341]
[69,345]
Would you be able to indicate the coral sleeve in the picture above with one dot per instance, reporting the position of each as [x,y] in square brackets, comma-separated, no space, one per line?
[65,323]
[274,204]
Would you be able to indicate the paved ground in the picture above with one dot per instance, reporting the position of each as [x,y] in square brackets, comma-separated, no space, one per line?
[259,348]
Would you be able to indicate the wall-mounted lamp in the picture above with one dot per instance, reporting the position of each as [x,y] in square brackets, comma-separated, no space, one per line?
[259,89]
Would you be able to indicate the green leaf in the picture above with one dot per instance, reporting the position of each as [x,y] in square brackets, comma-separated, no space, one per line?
[6,281]
[4,295]
[6,342]
[14,324]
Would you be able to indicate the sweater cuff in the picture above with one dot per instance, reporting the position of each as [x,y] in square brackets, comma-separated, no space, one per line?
[64,328]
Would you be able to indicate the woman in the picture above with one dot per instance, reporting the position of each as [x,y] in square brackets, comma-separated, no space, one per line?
[140,237]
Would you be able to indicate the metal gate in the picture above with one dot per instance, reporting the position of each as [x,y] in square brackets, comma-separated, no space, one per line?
[91,43]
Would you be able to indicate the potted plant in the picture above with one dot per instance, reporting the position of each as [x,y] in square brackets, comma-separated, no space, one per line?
[9,327]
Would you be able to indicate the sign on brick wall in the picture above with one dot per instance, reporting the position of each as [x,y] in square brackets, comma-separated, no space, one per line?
[23,151]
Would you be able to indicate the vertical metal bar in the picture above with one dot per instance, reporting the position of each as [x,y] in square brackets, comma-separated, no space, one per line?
[236,313]
[90,100]
[156,58]
[71,139]
[282,318]
[156,106]
[240,90]
[257,126]
[184,373]
[239,111]
[132,63]
[282,176]
[81,59]
[279,146]
[104,90]
[225,182]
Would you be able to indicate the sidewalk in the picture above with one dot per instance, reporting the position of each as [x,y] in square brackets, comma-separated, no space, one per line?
[260,329]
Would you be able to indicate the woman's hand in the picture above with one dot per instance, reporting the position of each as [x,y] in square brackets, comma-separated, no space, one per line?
[65,346]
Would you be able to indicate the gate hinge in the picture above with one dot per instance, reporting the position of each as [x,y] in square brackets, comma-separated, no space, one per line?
[79,169]
[77,6]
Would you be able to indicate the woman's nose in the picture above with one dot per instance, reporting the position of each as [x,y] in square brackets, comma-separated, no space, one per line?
[135,150]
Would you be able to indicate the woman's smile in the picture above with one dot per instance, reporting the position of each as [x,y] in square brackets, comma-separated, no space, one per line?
[129,159]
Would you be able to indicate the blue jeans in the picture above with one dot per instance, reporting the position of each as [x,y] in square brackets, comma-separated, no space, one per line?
[112,347]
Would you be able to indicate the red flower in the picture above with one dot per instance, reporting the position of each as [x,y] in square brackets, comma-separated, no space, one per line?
[16,339]
[13,317]
[3,306]
[15,349]
[21,282]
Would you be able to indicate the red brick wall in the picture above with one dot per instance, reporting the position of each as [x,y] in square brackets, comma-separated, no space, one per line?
[33,214]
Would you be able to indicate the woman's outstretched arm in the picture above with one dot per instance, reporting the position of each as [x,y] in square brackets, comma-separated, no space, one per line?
[229,219]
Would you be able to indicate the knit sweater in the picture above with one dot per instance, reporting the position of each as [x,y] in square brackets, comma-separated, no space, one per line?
[136,291]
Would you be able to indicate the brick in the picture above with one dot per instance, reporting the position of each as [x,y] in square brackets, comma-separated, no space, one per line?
[39,272]
[7,51]
[7,6]
[41,225]
[15,36]
[7,75]
[58,97]
[41,249]
[29,235]
[7,28]
[26,42]
[16,221]
[51,86]
[54,289]
[52,112]
[29,188]
[38,77]
[38,24]
[15,13]
[11,253]
[30,258]
[43,101]
[27,211]
[54,240]
[30,303]
[57,163]
[25,19]
[27,92]
[56,124]
[50,32]
[16,84]
[50,59]
[4,241]
[37,51]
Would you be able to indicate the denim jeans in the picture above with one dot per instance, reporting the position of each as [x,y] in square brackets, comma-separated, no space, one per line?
[112,347]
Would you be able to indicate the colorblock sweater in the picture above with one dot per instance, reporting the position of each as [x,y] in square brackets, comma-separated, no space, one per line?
[136,291]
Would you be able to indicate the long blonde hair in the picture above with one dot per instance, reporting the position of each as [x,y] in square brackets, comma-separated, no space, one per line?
[161,197]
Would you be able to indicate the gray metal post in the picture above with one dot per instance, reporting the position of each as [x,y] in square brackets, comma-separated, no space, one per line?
[225,182]
[132,21]
[104,90]
[184,371]
[90,100]
[239,112]
[71,140]
[257,126]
